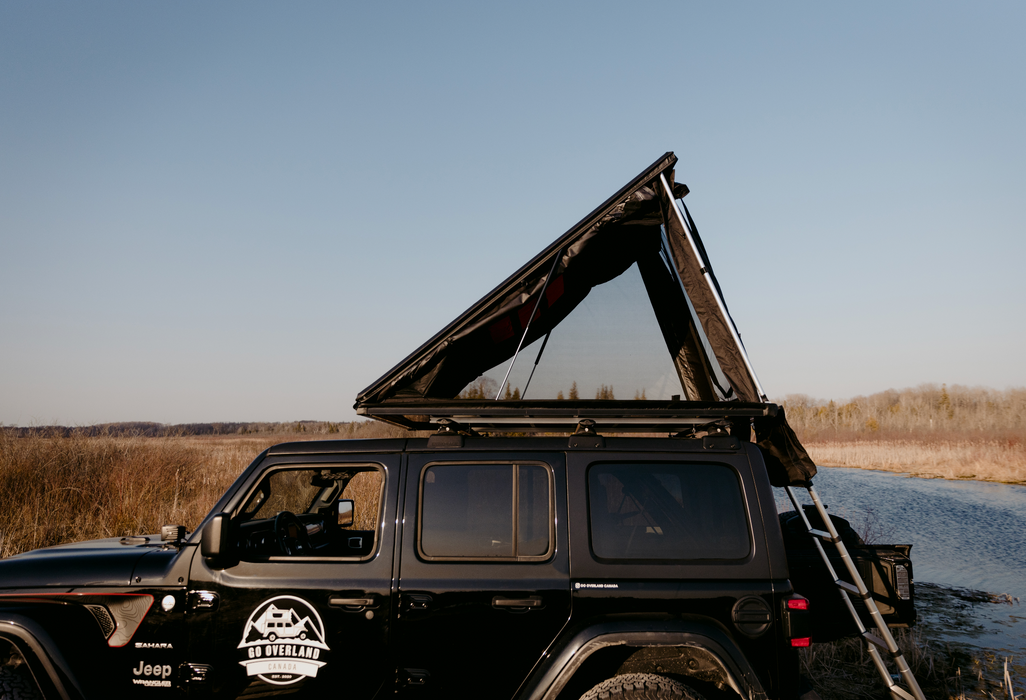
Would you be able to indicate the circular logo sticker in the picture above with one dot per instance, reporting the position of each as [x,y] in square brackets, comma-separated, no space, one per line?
[283,639]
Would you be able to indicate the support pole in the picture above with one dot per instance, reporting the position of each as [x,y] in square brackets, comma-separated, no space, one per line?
[527,327]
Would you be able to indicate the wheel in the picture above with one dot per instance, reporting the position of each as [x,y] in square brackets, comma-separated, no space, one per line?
[16,684]
[285,523]
[271,637]
[641,686]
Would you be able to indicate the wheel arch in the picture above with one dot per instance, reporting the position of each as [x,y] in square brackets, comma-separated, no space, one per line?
[566,664]
[48,667]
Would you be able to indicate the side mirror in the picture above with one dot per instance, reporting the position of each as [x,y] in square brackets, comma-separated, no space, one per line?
[345,513]
[214,540]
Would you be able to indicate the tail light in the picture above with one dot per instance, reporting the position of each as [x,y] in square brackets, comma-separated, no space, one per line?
[797,620]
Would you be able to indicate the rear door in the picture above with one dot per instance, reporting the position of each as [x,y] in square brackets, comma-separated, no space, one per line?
[484,575]
[678,533]
[302,612]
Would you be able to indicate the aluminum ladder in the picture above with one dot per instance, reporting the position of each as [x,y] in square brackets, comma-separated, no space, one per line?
[874,644]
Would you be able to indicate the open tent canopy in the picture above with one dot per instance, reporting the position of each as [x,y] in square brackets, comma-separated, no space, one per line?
[626,298]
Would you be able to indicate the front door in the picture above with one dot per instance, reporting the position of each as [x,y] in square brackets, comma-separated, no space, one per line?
[484,578]
[305,606]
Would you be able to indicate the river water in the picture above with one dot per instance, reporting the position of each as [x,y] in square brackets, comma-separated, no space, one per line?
[965,535]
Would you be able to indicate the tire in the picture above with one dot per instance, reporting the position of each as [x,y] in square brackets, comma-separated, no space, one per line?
[641,686]
[17,684]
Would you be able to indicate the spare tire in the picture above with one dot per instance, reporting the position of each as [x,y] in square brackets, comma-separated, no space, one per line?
[796,537]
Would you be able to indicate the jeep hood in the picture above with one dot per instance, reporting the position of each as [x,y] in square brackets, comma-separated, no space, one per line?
[105,562]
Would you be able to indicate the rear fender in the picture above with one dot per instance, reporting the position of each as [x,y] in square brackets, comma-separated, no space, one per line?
[713,651]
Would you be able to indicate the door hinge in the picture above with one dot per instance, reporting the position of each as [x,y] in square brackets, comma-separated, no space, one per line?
[416,601]
[413,677]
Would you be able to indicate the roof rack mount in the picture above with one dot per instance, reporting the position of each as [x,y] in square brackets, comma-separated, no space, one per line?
[559,416]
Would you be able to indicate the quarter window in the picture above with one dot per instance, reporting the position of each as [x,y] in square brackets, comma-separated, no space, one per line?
[486,511]
[667,512]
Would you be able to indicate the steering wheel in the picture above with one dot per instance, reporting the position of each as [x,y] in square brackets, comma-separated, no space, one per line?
[289,544]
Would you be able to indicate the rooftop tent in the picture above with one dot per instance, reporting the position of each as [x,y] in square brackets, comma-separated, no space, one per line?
[642,245]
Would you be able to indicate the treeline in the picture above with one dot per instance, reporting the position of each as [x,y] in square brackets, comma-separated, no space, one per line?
[486,388]
[926,412]
[144,429]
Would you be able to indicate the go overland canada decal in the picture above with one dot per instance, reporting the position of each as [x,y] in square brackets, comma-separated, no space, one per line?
[283,639]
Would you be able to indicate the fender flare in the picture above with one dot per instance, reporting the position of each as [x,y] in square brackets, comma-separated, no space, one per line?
[49,669]
[571,650]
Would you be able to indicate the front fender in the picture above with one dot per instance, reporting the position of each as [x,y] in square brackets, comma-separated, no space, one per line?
[48,666]
[570,651]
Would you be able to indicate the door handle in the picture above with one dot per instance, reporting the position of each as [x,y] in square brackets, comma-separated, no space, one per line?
[358,603]
[202,601]
[503,602]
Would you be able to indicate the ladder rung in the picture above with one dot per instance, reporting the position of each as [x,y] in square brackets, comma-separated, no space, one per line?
[898,690]
[870,637]
[824,535]
[848,587]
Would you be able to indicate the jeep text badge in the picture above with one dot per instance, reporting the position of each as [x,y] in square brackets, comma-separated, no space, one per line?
[283,639]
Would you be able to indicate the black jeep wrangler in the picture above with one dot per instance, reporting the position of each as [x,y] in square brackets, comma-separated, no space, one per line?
[449,566]
[537,549]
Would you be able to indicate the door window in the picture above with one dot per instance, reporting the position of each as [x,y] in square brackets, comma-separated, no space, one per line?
[312,512]
[486,511]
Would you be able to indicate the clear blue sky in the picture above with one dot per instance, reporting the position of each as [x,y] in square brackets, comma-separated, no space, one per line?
[250,211]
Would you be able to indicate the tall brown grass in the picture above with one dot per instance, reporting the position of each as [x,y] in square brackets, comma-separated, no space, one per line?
[955,433]
[68,486]
[843,670]
[983,460]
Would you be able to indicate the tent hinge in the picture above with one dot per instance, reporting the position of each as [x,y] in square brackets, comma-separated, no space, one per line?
[450,434]
[586,436]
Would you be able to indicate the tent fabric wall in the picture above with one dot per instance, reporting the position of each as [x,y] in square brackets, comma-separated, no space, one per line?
[639,224]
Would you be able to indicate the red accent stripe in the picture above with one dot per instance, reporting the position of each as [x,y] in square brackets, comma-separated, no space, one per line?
[501,330]
[526,310]
[554,291]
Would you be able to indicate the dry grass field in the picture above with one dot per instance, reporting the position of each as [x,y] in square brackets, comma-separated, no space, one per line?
[983,460]
[65,486]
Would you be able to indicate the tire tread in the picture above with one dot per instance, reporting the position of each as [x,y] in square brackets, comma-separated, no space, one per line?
[641,686]
[16,684]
